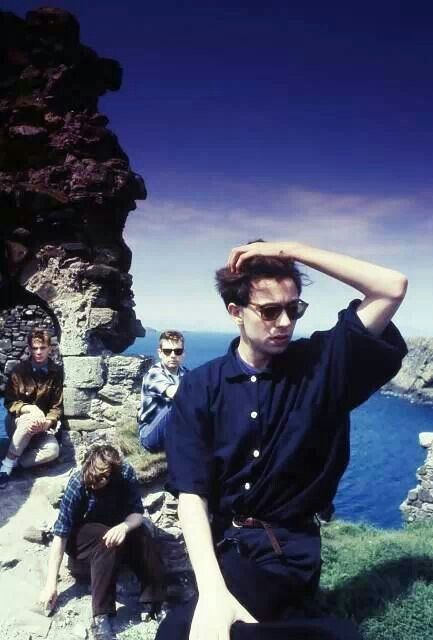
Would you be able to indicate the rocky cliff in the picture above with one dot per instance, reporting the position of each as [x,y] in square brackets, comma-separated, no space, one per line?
[415,378]
[66,186]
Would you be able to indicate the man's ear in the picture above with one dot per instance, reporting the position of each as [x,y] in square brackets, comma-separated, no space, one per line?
[236,313]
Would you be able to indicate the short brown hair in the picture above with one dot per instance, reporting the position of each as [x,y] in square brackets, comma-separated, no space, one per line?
[39,334]
[236,286]
[171,334]
[106,455]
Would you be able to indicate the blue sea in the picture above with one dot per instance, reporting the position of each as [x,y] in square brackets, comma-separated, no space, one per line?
[384,441]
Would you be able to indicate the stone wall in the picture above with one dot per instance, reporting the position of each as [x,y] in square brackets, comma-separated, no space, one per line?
[66,189]
[419,502]
[15,325]
[102,391]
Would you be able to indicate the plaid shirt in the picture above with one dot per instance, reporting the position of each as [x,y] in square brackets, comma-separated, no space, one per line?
[153,396]
[78,501]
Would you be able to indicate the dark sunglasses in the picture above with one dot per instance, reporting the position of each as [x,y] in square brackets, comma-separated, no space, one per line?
[168,352]
[271,312]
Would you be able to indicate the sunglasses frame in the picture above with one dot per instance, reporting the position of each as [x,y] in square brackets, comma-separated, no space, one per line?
[261,308]
[170,351]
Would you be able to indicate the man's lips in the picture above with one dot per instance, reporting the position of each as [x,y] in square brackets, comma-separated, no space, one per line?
[281,338]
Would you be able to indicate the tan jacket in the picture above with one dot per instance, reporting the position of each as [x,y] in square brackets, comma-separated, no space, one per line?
[45,390]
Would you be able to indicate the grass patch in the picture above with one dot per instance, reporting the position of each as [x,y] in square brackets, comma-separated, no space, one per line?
[148,466]
[381,579]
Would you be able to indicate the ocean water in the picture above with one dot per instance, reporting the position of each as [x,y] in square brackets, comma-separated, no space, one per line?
[385,452]
[384,441]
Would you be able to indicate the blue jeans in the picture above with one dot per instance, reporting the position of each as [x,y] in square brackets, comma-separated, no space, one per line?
[152,436]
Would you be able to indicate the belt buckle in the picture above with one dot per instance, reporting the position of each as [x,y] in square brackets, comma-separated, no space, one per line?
[235,523]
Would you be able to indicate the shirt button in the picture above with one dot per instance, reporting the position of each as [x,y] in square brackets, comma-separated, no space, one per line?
[254,414]
[247,485]
[253,379]
[256,453]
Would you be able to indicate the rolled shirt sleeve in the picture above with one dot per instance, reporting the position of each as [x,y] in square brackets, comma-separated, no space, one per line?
[357,363]
[71,507]
[189,438]
[155,383]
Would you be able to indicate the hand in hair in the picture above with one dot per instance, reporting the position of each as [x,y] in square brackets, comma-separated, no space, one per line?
[239,255]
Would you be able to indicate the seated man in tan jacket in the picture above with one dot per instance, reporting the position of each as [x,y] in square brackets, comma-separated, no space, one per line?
[34,399]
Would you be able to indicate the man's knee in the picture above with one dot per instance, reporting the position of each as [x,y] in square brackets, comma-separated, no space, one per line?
[51,451]
[34,457]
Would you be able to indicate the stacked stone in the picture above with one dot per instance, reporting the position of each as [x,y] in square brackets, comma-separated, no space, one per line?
[419,502]
[66,186]
[15,325]
[102,392]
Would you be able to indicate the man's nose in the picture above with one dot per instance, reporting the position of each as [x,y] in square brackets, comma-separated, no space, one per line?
[284,320]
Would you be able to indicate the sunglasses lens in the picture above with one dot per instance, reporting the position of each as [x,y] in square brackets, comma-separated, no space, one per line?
[301,307]
[294,310]
[178,352]
[271,313]
[168,352]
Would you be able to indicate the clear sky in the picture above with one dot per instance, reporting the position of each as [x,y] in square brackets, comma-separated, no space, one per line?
[310,121]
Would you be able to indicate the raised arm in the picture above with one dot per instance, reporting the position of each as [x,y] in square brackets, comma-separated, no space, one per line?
[217,609]
[383,289]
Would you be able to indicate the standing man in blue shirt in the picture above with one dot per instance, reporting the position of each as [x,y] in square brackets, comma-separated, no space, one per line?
[259,440]
[158,389]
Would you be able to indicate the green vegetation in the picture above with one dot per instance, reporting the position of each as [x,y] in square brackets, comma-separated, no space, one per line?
[381,579]
[148,466]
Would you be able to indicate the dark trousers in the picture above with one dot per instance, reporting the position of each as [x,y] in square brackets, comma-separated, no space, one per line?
[138,551]
[272,594]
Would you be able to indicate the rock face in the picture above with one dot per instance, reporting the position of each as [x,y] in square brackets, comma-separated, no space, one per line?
[415,378]
[102,391]
[66,186]
[419,502]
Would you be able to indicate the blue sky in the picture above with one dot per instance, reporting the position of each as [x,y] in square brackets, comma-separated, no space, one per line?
[310,121]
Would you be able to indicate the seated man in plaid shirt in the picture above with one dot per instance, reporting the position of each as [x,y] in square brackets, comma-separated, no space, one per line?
[100,522]
[158,389]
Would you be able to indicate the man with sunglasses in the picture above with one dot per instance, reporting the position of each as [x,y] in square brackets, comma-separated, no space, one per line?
[158,389]
[259,440]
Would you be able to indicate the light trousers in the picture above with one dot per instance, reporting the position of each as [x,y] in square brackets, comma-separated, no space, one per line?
[31,449]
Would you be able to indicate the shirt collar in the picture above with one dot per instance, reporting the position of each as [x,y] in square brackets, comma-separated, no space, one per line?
[233,370]
[36,368]
[180,370]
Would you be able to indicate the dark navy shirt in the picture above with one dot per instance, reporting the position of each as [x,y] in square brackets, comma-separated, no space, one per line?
[275,444]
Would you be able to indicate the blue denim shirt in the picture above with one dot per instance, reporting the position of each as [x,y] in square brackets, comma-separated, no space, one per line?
[275,444]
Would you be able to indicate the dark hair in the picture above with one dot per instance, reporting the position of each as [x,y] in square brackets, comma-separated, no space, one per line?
[106,455]
[236,287]
[39,334]
[176,336]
